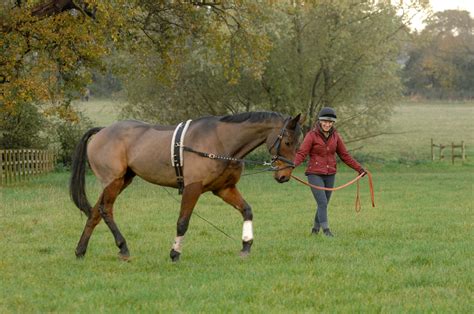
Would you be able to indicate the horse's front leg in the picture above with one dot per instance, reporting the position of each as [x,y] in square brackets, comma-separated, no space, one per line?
[232,196]
[190,197]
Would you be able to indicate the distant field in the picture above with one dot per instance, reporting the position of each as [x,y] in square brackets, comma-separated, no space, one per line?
[101,112]
[443,122]
[417,123]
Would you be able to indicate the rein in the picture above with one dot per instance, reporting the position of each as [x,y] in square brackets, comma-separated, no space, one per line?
[219,157]
[204,219]
[357,202]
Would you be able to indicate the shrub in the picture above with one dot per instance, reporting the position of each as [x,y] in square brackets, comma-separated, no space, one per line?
[68,135]
[21,127]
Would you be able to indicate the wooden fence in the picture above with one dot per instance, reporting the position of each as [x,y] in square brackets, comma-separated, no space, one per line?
[19,164]
[454,155]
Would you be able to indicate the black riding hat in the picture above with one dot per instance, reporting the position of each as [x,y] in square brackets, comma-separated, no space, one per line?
[328,114]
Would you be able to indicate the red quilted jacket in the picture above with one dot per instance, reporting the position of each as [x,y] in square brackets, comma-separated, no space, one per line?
[322,153]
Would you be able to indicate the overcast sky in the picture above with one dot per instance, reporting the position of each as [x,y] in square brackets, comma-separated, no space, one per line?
[441,5]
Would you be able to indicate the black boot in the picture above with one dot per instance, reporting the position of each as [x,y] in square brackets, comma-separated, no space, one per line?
[315,231]
[328,233]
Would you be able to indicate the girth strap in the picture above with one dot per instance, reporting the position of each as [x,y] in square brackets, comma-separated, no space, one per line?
[177,143]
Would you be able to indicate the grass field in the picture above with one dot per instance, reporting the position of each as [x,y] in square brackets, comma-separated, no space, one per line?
[417,124]
[412,253]
[101,112]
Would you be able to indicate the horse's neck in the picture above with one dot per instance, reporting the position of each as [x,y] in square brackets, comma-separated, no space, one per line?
[245,137]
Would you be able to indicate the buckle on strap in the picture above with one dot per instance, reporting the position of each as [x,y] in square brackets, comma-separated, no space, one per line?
[286,161]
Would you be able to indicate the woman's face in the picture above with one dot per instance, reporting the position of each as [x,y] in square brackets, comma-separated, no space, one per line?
[326,125]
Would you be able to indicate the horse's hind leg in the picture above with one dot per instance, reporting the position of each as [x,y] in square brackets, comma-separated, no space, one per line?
[109,195]
[95,218]
[190,197]
[232,196]
[92,221]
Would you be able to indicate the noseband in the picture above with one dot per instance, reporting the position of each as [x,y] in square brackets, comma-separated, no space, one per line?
[277,144]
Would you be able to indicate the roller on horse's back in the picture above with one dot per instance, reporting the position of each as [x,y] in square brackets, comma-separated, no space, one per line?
[198,156]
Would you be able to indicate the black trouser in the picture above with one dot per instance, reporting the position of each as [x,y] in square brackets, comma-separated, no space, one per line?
[322,198]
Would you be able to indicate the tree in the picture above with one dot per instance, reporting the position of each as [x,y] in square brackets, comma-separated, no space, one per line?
[46,52]
[441,59]
[321,53]
[181,59]
[210,54]
[49,49]
[339,54]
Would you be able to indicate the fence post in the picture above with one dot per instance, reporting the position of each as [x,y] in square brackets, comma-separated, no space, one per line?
[16,163]
[10,166]
[5,165]
[43,161]
[12,163]
[51,160]
[432,150]
[41,157]
[1,167]
[3,157]
[452,152]
[30,162]
[17,166]
[35,162]
[23,164]
[441,154]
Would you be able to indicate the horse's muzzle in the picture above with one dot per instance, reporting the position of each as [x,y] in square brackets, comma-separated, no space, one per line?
[282,179]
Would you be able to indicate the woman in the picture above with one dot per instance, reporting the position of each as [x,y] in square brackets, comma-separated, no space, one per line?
[321,144]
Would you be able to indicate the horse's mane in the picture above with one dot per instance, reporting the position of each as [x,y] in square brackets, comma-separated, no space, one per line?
[250,117]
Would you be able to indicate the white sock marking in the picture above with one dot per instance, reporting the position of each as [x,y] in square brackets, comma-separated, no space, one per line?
[247,231]
[178,242]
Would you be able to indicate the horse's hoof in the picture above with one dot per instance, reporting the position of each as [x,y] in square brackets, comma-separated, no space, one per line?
[174,255]
[244,254]
[124,258]
[246,246]
[80,255]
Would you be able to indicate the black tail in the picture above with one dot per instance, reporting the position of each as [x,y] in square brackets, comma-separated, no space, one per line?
[77,185]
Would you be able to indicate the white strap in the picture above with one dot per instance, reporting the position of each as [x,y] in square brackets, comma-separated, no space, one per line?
[181,141]
[172,143]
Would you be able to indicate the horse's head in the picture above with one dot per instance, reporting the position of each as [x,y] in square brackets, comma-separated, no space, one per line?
[282,144]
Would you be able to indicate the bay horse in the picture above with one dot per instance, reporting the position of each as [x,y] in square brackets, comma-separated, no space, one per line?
[118,153]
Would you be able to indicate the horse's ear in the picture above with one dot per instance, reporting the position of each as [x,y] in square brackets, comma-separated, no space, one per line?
[294,121]
[303,119]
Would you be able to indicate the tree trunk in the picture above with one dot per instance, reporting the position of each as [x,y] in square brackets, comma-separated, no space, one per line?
[54,7]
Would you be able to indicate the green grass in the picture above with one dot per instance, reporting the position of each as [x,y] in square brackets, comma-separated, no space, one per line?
[412,253]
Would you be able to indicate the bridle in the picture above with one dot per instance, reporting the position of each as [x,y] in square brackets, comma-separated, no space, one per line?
[277,144]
